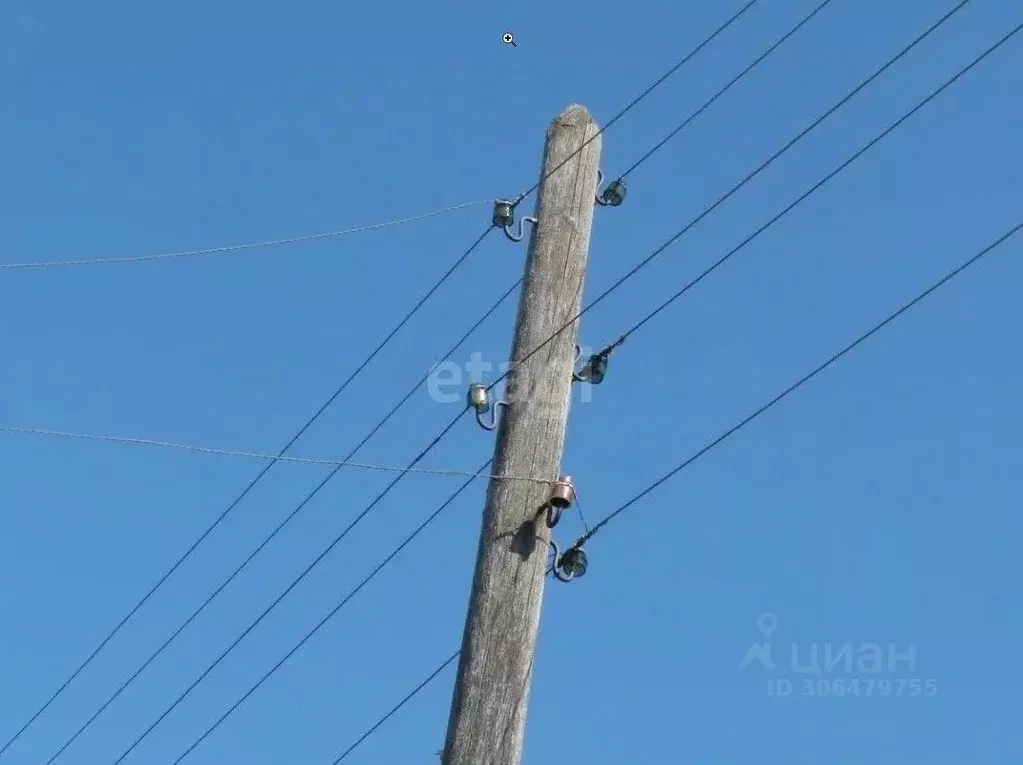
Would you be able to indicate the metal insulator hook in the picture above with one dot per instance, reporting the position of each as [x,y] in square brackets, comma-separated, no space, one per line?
[518,237]
[555,554]
[560,575]
[577,376]
[493,416]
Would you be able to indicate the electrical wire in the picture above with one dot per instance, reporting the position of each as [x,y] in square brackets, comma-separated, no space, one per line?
[816,186]
[266,469]
[408,540]
[294,513]
[259,456]
[290,587]
[720,200]
[802,381]
[528,354]
[687,57]
[728,86]
[813,189]
[590,532]
[267,540]
[731,431]
[956,77]
[682,62]
[312,565]
[642,322]
[240,247]
[319,625]
[397,707]
[521,197]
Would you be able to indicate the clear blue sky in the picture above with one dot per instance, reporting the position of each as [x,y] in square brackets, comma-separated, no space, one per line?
[876,505]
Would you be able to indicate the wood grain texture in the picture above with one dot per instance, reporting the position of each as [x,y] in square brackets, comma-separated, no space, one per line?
[488,711]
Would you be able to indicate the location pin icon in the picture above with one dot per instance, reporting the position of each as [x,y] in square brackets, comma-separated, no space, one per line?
[767,624]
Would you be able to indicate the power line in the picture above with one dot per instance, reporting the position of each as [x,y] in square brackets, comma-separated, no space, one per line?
[291,516]
[720,200]
[728,86]
[260,456]
[397,707]
[866,147]
[869,145]
[210,530]
[297,580]
[398,221]
[322,622]
[603,523]
[682,62]
[217,522]
[239,247]
[948,277]
[803,380]
[319,625]
[291,586]
[926,100]
[806,194]
[219,519]
[906,307]
[731,431]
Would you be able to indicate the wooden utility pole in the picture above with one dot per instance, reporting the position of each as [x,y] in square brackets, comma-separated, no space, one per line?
[488,711]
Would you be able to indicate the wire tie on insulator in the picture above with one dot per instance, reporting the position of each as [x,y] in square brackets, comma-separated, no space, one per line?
[522,221]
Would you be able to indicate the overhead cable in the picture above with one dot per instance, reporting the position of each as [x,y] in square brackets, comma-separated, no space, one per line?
[801,382]
[251,485]
[720,200]
[240,247]
[263,457]
[717,441]
[728,86]
[686,58]
[330,614]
